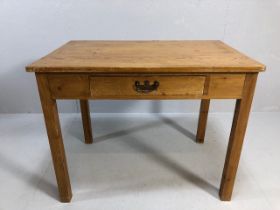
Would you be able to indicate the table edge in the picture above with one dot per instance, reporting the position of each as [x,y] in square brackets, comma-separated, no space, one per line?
[146,70]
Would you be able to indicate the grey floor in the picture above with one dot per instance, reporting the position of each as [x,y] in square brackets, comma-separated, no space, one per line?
[139,162]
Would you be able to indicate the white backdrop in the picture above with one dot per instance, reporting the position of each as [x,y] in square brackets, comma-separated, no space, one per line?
[29,29]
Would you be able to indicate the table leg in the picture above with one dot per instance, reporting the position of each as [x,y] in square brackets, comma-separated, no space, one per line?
[202,121]
[236,138]
[86,121]
[49,108]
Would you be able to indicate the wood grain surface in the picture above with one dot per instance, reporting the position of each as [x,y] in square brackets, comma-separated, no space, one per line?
[145,56]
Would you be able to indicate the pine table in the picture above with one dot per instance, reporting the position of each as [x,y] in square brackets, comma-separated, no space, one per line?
[146,70]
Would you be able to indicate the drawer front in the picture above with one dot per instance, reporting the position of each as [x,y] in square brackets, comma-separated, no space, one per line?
[146,87]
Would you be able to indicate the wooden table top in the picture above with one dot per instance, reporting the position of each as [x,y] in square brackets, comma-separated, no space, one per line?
[145,57]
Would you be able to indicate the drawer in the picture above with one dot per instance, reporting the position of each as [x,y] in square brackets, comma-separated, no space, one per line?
[146,87]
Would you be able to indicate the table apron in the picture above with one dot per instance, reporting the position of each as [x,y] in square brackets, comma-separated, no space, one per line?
[188,86]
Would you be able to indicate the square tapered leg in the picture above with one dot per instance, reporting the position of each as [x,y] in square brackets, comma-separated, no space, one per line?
[240,120]
[85,111]
[55,138]
[202,121]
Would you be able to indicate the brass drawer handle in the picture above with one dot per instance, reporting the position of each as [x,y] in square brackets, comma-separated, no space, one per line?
[146,87]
